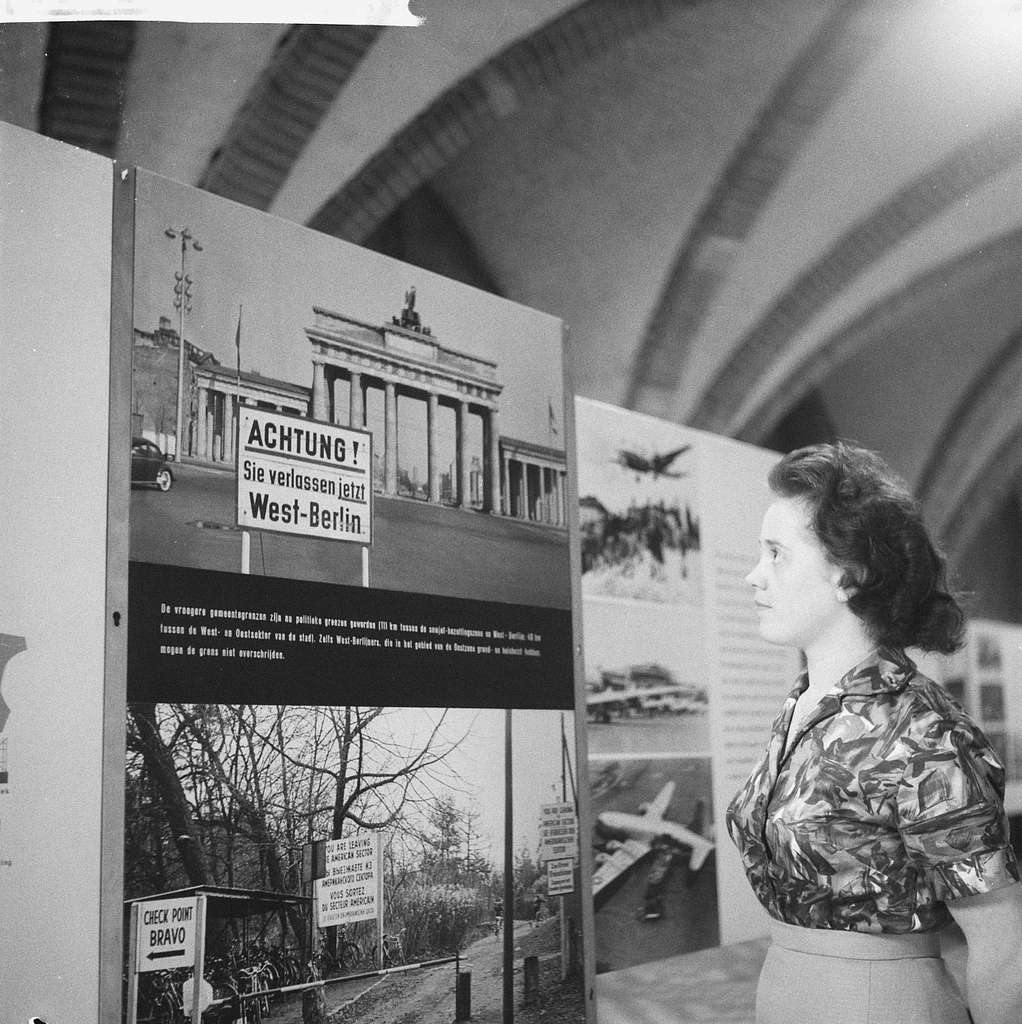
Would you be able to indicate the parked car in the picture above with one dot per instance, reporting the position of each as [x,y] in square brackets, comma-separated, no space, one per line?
[149,465]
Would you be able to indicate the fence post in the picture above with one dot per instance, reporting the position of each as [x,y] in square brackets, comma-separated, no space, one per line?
[531,980]
[463,997]
[314,1006]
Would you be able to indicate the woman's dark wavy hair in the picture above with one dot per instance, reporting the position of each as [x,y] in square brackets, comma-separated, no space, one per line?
[872,527]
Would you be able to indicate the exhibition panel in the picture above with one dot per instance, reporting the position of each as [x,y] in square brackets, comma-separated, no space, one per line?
[55,264]
[680,691]
[351,677]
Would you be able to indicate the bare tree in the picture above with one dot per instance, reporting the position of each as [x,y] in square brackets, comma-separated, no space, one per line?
[245,787]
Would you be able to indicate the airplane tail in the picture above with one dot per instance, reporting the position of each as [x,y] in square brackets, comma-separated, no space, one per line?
[698,821]
[700,851]
[698,856]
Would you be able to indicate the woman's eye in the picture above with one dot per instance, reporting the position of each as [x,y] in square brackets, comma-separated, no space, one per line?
[773,554]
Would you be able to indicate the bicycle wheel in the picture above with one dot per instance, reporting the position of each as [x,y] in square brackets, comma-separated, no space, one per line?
[350,953]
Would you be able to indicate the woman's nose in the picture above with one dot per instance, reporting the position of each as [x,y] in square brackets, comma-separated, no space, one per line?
[753,578]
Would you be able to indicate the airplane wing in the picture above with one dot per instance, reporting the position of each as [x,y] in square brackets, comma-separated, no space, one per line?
[625,857]
[663,461]
[608,697]
[633,693]
[658,807]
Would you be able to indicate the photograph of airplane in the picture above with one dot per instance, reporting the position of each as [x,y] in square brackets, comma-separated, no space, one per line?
[672,698]
[640,832]
[655,880]
[644,682]
[638,508]
[657,465]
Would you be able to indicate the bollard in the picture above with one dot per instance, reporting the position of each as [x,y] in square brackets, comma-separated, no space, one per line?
[463,997]
[531,980]
[313,1006]
[572,966]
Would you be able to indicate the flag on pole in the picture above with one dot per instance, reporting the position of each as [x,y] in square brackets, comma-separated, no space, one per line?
[237,342]
[552,416]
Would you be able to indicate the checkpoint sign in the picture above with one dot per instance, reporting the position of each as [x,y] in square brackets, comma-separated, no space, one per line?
[166,934]
[302,477]
[558,832]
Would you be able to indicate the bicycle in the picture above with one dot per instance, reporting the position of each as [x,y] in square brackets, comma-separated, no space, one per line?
[349,952]
[393,950]
[326,964]
[160,997]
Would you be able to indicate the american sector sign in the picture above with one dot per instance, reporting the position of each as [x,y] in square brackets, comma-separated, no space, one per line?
[349,891]
[302,477]
[558,832]
[166,934]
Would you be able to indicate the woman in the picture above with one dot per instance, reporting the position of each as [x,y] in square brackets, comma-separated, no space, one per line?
[875,815]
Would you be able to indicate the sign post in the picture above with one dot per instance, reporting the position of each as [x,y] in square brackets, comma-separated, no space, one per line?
[303,477]
[132,1015]
[558,849]
[200,992]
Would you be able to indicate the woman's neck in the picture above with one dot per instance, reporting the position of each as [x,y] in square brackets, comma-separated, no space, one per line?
[828,662]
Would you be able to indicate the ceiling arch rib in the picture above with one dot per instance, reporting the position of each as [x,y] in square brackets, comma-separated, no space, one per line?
[83,87]
[477,102]
[977,459]
[926,290]
[283,110]
[823,68]
[1000,472]
[721,407]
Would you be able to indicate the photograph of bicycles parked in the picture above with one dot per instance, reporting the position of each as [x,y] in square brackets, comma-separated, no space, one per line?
[237,804]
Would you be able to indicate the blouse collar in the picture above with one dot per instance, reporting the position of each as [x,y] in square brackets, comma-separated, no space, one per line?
[881,671]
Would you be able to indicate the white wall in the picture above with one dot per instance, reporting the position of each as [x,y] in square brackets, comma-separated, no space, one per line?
[55,269]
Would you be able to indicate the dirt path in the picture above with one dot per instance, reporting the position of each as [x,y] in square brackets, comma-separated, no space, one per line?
[428,994]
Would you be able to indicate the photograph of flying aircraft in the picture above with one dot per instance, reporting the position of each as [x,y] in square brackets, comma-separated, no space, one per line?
[638,508]
[655,879]
[657,465]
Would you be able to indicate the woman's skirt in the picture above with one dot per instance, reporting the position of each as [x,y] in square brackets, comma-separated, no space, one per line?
[838,977]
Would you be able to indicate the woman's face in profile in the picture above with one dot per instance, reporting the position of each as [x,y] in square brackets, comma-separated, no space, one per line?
[796,588]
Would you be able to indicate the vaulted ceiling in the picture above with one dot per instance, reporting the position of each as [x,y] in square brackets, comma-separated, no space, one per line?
[778,219]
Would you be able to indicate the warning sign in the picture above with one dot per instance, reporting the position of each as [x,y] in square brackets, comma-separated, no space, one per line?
[350,890]
[166,934]
[558,832]
[560,877]
[302,477]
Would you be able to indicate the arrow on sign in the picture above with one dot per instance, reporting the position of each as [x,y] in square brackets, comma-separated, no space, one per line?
[166,953]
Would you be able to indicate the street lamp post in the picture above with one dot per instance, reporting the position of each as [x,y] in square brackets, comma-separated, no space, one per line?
[183,304]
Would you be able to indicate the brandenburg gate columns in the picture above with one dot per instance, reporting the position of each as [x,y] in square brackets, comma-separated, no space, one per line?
[464,499]
[491,461]
[201,431]
[390,437]
[356,405]
[320,397]
[432,460]
[404,358]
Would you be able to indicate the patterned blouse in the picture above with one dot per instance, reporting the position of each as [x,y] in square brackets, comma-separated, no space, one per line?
[887,804]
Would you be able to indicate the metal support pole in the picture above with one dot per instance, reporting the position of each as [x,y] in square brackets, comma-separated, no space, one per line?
[195,1010]
[132,1015]
[509,881]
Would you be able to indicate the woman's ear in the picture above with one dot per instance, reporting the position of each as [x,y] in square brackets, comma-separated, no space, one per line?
[846,584]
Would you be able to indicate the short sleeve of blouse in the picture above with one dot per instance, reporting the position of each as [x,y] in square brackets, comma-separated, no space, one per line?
[951,809]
